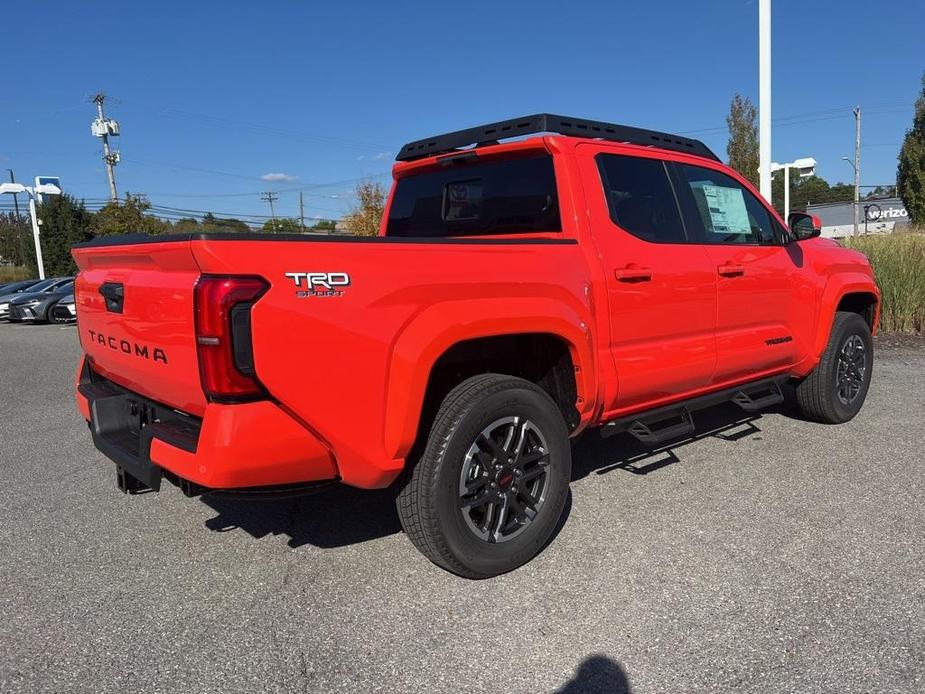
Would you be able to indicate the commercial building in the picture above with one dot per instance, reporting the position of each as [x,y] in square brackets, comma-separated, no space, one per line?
[880,216]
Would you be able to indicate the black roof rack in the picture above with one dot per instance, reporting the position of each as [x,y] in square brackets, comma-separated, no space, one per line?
[548,123]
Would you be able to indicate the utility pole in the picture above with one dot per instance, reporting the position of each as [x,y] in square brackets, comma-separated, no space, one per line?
[857,165]
[302,210]
[103,128]
[271,197]
[764,97]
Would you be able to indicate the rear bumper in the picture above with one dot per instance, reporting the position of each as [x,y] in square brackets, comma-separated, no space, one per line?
[239,446]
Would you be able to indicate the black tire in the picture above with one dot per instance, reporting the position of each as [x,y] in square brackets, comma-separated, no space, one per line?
[818,395]
[430,499]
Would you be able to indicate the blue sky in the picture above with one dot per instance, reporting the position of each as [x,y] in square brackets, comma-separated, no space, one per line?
[214,96]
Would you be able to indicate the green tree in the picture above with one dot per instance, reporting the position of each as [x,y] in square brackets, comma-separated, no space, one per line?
[326,225]
[910,175]
[742,148]
[282,225]
[211,223]
[365,218]
[15,238]
[65,221]
[187,224]
[803,191]
[128,217]
[880,192]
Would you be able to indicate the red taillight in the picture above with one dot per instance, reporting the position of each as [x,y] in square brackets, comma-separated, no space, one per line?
[223,336]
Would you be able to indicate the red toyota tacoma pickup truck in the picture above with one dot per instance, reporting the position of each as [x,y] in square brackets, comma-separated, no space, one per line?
[519,292]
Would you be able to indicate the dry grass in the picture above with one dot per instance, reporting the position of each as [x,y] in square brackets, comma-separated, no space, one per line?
[899,263]
[13,273]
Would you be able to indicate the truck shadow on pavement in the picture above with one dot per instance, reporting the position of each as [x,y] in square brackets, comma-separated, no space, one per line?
[343,516]
[597,674]
[336,517]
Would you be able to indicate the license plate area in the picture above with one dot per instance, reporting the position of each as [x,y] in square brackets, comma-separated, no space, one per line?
[123,425]
[118,423]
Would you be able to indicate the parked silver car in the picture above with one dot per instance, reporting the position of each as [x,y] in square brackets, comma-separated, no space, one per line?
[33,305]
[11,291]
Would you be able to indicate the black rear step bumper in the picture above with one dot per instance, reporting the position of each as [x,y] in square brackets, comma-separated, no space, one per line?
[123,425]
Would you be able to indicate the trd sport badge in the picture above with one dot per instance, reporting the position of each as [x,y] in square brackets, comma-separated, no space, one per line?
[319,283]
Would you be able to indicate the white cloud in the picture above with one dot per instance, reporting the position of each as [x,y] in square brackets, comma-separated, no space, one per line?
[382,155]
[278,177]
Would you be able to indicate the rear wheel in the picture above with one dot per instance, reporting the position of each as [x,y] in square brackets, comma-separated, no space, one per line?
[835,391]
[488,490]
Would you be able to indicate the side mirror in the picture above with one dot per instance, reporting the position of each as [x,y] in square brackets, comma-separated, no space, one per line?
[804,226]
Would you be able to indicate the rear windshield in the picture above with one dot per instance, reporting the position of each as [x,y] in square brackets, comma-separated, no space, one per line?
[498,197]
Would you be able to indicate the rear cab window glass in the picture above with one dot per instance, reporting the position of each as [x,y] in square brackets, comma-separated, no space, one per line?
[722,209]
[471,198]
[640,197]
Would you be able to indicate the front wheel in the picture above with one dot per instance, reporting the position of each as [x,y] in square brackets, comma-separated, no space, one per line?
[488,490]
[835,391]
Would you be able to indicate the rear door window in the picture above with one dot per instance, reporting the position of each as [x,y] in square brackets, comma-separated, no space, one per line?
[510,196]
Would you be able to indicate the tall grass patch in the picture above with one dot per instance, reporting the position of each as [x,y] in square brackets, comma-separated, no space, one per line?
[13,273]
[899,264]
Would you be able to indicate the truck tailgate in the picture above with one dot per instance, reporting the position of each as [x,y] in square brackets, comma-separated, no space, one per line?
[135,318]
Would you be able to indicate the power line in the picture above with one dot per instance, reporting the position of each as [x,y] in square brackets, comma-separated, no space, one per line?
[810,117]
[136,160]
[250,194]
[263,128]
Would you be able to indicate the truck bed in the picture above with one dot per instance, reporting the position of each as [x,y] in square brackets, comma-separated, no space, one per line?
[344,334]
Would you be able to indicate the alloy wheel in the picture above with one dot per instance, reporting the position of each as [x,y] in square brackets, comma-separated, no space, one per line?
[851,369]
[504,479]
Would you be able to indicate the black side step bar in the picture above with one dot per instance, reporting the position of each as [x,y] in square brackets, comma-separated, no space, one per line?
[754,399]
[674,421]
[653,433]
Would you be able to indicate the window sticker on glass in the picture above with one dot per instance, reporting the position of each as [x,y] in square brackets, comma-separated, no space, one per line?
[725,207]
[462,201]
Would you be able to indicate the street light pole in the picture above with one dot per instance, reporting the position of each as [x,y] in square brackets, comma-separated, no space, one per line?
[41,188]
[764,97]
[805,166]
[35,234]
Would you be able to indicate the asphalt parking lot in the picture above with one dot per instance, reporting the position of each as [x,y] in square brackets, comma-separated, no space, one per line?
[771,555]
